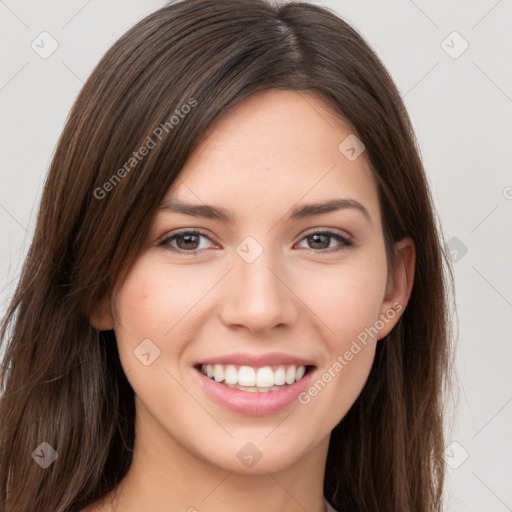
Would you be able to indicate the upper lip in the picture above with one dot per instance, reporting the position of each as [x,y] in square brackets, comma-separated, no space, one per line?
[255,360]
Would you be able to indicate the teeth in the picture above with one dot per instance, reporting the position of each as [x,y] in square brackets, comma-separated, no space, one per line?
[252,379]
[290,375]
[218,373]
[265,377]
[246,376]
[231,374]
[280,376]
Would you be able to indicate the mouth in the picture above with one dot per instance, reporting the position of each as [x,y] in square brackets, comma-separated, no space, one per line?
[254,390]
[250,379]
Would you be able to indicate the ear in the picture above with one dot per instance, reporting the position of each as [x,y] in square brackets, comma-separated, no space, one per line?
[101,318]
[399,285]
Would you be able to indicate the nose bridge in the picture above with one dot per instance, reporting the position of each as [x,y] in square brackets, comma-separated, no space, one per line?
[258,297]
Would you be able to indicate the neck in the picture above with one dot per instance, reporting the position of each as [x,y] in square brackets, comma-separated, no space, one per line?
[165,473]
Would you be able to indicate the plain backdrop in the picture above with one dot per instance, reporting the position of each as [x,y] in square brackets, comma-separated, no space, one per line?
[452,64]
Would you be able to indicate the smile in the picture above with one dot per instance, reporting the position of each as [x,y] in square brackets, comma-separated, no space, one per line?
[251,379]
[254,390]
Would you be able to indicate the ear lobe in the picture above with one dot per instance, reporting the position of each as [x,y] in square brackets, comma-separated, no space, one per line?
[400,285]
[101,318]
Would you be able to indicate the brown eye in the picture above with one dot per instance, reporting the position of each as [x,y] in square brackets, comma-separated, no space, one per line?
[187,242]
[320,241]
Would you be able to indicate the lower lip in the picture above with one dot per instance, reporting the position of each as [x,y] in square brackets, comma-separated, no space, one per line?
[257,403]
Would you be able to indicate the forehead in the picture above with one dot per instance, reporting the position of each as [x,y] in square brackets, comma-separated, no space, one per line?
[275,149]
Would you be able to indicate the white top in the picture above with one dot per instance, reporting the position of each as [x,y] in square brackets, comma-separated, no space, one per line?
[330,508]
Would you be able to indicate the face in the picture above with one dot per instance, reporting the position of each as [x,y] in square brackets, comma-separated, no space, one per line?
[288,308]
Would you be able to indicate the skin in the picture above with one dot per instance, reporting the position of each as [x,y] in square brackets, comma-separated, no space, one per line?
[277,150]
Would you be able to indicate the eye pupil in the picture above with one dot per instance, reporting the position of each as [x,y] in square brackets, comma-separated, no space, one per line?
[315,236]
[189,238]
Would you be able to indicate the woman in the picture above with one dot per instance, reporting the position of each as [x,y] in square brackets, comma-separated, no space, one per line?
[293,356]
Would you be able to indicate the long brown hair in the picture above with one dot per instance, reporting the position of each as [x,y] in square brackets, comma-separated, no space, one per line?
[62,380]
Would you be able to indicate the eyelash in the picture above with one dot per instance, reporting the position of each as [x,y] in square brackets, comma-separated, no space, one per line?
[345,242]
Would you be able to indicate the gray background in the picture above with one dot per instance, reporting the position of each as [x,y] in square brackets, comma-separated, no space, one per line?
[460,108]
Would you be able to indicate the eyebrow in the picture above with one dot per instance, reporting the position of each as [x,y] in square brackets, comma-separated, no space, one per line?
[299,212]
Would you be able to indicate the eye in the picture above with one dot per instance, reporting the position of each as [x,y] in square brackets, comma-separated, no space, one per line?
[188,242]
[321,240]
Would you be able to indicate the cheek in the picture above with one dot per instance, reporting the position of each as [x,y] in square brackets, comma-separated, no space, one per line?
[154,301]
[157,304]
[349,299]
[349,309]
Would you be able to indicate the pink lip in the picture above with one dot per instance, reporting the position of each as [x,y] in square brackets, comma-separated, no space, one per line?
[253,404]
[257,361]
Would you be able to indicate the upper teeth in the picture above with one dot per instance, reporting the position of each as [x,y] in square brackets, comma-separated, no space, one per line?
[264,377]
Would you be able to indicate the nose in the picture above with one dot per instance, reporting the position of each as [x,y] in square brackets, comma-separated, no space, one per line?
[257,295]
